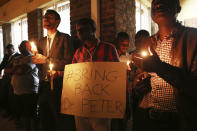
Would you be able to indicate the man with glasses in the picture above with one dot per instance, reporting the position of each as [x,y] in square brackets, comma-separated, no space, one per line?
[56,49]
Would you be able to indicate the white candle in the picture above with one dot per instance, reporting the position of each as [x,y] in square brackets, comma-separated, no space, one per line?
[128,62]
[51,69]
[50,66]
[128,65]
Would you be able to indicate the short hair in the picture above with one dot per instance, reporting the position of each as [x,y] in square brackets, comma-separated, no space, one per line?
[9,46]
[122,35]
[24,42]
[87,21]
[176,3]
[142,33]
[57,16]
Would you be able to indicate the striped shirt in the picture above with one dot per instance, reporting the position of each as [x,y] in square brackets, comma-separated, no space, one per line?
[162,94]
[99,51]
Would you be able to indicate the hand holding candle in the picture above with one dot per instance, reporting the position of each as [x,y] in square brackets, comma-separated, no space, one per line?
[39,59]
[149,62]
[138,57]
[36,58]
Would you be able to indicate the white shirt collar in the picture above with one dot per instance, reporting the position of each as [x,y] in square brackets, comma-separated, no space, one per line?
[52,35]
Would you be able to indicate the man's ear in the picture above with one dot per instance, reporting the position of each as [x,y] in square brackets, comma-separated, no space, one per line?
[58,22]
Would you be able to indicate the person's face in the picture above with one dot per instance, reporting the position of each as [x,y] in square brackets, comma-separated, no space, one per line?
[123,45]
[139,42]
[84,32]
[163,10]
[10,51]
[29,47]
[22,48]
[49,21]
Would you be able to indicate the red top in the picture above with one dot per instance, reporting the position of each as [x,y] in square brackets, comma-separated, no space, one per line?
[99,51]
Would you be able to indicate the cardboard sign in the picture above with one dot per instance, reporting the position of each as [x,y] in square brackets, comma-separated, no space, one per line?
[94,89]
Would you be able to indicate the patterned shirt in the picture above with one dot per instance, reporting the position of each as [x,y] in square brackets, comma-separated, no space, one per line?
[98,52]
[162,94]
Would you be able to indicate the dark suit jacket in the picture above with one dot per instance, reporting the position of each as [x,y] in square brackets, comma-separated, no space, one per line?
[60,54]
[6,61]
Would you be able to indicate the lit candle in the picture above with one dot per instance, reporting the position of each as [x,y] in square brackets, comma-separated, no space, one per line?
[50,67]
[51,71]
[33,48]
[128,65]
[144,53]
[128,62]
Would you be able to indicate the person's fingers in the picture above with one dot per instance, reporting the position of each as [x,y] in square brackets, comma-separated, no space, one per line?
[152,51]
[137,61]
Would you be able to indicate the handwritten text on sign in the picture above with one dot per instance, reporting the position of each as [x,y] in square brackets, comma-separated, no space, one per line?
[94,89]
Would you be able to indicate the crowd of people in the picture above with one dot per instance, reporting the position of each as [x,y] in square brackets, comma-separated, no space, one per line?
[161,87]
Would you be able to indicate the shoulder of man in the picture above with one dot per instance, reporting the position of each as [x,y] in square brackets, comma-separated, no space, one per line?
[188,33]
[6,56]
[192,31]
[191,37]
[41,40]
[61,34]
[107,44]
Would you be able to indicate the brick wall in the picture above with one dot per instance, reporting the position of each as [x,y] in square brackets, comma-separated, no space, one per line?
[79,9]
[82,9]
[116,16]
[35,30]
[125,19]
[108,30]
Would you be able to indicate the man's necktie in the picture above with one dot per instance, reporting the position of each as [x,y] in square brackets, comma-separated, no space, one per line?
[48,46]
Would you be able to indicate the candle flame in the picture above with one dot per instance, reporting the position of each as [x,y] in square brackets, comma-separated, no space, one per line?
[51,66]
[33,47]
[144,53]
[128,62]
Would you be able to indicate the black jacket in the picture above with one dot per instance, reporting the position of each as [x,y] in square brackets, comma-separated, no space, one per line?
[182,74]
[6,60]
